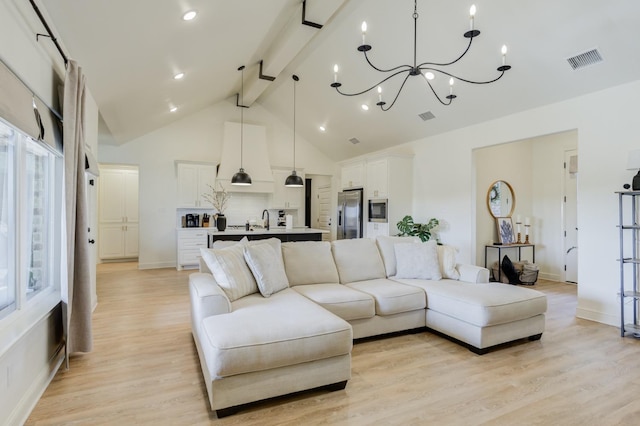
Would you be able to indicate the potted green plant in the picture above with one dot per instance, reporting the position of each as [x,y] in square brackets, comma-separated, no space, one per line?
[408,227]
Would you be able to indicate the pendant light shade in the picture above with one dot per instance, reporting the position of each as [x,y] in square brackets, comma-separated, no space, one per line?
[241,178]
[293,180]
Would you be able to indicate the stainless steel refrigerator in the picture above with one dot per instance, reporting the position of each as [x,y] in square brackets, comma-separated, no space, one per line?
[349,214]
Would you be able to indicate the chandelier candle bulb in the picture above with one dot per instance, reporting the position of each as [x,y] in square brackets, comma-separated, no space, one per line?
[451,86]
[472,14]
[364,30]
[335,73]
[504,54]
[379,94]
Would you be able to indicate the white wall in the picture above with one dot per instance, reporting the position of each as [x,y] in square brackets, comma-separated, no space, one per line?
[606,126]
[198,137]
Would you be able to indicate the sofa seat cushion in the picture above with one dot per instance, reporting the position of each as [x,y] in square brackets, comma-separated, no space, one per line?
[482,304]
[391,297]
[345,302]
[264,333]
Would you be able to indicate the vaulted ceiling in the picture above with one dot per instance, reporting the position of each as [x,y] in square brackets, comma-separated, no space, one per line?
[130,51]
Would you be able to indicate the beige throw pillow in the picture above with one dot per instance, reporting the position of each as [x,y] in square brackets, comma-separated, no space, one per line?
[417,260]
[447,260]
[230,270]
[267,268]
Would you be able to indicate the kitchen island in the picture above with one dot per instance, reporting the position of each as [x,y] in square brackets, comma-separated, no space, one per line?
[283,234]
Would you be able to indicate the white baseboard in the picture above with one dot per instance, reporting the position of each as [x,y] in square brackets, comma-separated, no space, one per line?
[601,317]
[156,265]
[29,400]
[550,277]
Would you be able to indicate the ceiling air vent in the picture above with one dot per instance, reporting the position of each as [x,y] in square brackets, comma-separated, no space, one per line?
[585,59]
[354,141]
[426,116]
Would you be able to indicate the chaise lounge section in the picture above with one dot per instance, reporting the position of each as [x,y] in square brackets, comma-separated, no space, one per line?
[271,318]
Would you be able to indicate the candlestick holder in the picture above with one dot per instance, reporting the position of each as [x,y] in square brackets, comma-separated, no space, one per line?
[526,234]
[519,241]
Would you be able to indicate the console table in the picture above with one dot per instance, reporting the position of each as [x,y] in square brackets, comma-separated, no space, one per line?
[501,247]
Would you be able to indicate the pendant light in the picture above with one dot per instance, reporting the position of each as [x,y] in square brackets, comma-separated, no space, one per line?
[241,178]
[293,180]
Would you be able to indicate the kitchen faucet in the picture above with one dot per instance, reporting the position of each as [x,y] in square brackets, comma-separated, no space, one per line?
[267,212]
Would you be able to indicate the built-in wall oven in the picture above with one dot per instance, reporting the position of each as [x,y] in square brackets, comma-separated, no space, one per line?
[378,210]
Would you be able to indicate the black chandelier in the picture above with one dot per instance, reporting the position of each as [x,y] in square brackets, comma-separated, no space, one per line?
[426,69]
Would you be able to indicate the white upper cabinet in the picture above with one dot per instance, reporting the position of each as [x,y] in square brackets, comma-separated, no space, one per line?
[378,179]
[193,181]
[352,175]
[284,197]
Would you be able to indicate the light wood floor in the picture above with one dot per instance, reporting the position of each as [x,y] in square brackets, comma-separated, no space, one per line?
[144,370]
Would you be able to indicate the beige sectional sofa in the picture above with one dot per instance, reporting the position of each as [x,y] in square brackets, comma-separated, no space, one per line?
[271,318]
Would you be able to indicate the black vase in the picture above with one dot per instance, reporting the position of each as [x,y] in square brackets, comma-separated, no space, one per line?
[221,222]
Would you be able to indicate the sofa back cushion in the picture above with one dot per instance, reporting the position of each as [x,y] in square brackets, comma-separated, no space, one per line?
[388,253]
[357,260]
[309,262]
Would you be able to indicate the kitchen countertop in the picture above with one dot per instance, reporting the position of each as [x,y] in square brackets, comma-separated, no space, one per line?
[274,230]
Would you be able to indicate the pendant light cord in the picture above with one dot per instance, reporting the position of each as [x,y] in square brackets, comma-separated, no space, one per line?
[294,122]
[242,117]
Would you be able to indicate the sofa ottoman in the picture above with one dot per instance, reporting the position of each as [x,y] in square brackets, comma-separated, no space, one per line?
[482,315]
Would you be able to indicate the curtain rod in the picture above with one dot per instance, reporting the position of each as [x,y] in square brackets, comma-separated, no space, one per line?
[50,34]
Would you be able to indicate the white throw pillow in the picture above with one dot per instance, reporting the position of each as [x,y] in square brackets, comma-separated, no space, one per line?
[267,268]
[447,260]
[417,260]
[230,270]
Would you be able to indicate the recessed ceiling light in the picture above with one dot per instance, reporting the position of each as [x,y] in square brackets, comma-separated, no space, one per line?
[178,76]
[173,109]
[323,129]
[189,15]
[365,107]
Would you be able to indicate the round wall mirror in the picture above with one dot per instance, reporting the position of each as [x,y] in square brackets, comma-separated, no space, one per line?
[501,200]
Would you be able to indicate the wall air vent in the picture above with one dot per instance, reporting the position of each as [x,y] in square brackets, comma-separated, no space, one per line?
[585,59]
[354,141]
[426,116]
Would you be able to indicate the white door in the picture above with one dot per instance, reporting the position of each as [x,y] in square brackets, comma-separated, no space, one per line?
[570,213]
[324,210]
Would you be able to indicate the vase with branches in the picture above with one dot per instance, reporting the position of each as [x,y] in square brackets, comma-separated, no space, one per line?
[218,198]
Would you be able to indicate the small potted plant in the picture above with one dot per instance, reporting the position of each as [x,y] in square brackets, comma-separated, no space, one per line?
[218,198]
[408,227]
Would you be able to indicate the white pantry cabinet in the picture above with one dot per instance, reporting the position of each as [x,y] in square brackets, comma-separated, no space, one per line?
[193,181]
[118,212]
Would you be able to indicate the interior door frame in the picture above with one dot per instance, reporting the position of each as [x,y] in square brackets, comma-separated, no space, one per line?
[567,156]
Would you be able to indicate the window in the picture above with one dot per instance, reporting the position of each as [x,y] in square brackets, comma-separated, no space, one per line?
[29,172]
[7,222]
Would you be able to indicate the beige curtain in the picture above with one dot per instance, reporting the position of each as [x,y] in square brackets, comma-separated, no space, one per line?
[78,307]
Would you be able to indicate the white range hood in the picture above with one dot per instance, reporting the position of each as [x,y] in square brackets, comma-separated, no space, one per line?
[255,158]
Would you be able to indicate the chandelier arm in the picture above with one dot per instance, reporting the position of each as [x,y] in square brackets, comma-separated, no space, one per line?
[403,67]
[397,94]
[436,95]
[463,79]
[375,85]
[448,63]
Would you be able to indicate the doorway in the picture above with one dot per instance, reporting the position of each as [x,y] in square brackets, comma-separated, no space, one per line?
[319,203]
[118,213]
